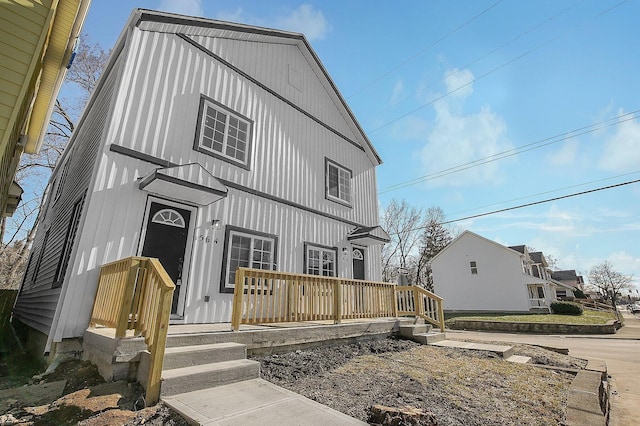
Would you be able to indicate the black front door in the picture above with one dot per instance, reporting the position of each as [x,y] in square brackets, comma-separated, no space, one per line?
[358,263]
[166,239]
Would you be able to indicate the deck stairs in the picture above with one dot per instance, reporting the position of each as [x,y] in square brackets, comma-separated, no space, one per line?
[421,332]
[201,366]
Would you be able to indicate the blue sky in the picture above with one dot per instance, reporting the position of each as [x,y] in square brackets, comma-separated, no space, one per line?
[438,85]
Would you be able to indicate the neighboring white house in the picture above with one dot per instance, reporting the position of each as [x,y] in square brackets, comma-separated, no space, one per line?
[210,145]
[475,274]
[570,280]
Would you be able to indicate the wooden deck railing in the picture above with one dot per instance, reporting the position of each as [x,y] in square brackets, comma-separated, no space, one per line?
[262,296]
[135,294]
[413,300]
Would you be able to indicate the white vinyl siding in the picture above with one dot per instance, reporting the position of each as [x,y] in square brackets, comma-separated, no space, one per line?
[320,261]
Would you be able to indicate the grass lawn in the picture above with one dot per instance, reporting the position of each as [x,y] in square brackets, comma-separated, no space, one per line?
[588,317]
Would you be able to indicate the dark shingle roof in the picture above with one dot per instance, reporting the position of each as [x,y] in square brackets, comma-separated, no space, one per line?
[564,275]
[536,256]
[517,248]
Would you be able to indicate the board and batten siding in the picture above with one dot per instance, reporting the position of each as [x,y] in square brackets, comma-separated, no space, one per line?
[36,304]
[155,113]
[165,79]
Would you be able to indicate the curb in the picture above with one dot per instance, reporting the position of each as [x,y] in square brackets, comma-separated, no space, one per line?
[588,398]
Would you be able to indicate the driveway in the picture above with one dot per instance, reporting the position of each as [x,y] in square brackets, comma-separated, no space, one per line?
[621,351]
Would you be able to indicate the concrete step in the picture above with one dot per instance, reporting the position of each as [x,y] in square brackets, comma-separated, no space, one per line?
[519,359]
[186,356]
[430,338]
[407,331]
[197,377]
[502,350]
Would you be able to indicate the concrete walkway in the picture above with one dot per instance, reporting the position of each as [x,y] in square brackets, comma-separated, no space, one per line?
[254,403]
[621,352]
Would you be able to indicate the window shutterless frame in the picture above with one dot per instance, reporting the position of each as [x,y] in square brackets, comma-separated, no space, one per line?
[320,260]
[338,183]
[223,133]
[246,248]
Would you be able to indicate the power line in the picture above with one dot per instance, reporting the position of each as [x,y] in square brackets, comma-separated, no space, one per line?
[492,51]
[540,202]
[548,200]
[518,150]
[459,27]
[550,191]
[528,52]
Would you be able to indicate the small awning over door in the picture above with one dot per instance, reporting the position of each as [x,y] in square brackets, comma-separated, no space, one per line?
[369,236]
[188,182]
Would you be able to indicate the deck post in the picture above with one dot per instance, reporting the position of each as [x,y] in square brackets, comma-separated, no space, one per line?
[238,293]
[129,288]
[337,301]
[157,351]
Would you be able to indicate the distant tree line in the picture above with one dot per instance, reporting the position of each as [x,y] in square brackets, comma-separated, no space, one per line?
[417,235]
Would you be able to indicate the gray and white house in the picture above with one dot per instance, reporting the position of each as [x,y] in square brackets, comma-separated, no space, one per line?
[209,145]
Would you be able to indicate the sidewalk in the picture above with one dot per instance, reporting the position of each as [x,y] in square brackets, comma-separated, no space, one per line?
[254,403]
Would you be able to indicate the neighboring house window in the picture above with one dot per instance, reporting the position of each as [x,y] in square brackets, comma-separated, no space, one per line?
[246,249]
[561,293]
[474,267]
[65,255]
[320,260]
[223,133]
[338,183]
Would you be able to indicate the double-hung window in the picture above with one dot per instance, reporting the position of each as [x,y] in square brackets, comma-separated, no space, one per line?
[338,183]
[474,267]
[320,260]
[245,249]
[223,133]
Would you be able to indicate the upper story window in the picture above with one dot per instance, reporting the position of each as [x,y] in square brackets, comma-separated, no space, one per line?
[474,267]
[223,133]
[338,183]
[320,260]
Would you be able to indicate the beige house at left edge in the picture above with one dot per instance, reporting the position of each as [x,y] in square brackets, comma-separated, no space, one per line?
[209,145]
[37,38]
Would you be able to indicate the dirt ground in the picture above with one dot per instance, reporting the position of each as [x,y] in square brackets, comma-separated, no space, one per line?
[74,393]
[459,387]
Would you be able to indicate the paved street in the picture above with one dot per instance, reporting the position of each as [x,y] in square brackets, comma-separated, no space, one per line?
[621,352]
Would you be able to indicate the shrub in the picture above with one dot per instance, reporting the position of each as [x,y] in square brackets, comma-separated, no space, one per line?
[566,308]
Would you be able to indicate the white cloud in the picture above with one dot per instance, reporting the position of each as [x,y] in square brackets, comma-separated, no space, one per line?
[457,139]
[622,150]
[183,7]
[306,20]
[398,92]
[566,155]
[233,16]
[459,83]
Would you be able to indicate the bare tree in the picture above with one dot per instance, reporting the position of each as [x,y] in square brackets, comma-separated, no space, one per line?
[402,223]
[434,237]
[18,231]
[608,282]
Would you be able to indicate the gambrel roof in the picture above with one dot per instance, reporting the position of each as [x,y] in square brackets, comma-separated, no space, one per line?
[191,28]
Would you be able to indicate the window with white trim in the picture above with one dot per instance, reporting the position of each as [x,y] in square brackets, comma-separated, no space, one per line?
[338,182]
[244,249]
[320,260]
[223,133]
